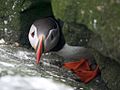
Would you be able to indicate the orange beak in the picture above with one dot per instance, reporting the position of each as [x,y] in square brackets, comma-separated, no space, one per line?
[40,49]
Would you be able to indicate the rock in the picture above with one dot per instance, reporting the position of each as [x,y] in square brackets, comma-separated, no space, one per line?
[16,17]
[16,63]
[2,41]
[81,37]
[109,71]
[100,20]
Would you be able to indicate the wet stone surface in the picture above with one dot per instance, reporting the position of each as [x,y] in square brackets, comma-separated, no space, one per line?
[17,65]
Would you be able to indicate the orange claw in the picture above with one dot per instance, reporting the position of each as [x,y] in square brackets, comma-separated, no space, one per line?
[82,69]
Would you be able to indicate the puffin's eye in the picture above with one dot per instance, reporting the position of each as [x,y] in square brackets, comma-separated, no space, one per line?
[32,34]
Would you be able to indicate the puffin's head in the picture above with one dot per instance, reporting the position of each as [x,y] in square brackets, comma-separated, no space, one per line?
[44,35]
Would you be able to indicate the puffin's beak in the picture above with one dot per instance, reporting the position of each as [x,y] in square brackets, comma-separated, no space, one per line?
[39,49]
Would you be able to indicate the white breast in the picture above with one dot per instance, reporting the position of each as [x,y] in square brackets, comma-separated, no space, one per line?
[74,52]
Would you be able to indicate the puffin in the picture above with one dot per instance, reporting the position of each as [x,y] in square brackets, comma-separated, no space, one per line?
[46,36]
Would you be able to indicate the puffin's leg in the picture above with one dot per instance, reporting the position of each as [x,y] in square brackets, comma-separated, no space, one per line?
[82,70]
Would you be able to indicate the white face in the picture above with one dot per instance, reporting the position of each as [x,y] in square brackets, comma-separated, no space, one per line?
[50,40]
[33,38]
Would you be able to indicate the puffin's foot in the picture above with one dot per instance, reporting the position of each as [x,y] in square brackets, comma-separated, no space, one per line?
[82,69]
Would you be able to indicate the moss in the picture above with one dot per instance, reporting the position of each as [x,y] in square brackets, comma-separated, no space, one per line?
[101,17]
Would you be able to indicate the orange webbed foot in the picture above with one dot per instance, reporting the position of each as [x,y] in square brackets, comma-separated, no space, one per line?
[82,69]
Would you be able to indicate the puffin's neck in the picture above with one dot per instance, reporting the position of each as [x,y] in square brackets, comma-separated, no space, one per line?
[59,45]
[68,51]
[74,52]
